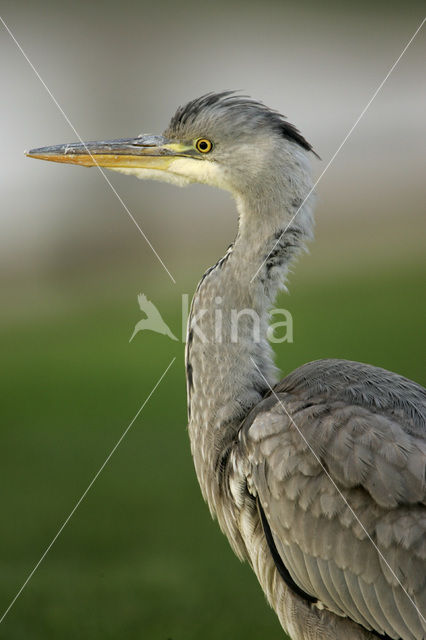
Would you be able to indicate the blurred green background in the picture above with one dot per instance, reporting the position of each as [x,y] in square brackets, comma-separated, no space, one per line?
[141,558]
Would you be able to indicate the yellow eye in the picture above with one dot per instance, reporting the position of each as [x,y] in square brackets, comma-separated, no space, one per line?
[203,145]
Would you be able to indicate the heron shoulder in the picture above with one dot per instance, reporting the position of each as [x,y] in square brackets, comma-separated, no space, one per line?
[336,456]
[364,424]
[363,385]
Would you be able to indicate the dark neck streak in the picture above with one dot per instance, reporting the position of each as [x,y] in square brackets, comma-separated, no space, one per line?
[222,383]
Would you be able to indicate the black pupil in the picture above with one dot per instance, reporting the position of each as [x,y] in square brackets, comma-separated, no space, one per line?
[203,145]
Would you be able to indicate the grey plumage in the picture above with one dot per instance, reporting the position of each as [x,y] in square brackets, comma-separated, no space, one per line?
[215,110]
[365,424]
[318,481]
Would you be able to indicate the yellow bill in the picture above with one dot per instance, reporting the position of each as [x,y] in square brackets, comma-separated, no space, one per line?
[144,152]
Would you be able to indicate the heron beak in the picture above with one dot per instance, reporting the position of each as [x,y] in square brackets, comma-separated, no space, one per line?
[142,152]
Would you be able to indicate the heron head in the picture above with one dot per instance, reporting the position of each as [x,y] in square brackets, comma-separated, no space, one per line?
[221,139]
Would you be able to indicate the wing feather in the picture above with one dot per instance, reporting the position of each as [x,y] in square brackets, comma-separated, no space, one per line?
[366,618]
[296,564]
[338,577]
[386,600]
[324,568]
[409,614]
[370,598]
[349,522]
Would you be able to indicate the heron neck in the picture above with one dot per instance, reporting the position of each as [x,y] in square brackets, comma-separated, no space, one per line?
[229,359]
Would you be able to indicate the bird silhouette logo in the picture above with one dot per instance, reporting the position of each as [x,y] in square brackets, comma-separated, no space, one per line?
[153,321]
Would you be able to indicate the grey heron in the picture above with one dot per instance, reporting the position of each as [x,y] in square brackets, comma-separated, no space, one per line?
[318,480]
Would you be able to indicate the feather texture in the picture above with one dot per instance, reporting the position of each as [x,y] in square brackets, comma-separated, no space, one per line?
[349,522]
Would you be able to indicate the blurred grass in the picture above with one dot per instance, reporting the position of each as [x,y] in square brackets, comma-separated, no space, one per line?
[141,557]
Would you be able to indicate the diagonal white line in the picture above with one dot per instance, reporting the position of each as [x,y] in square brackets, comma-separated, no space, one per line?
[339,492]
[82,142]
[80,500]
[333,157]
